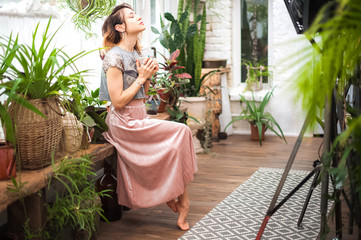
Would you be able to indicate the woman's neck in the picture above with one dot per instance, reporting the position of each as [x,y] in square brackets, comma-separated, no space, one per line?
[128,42]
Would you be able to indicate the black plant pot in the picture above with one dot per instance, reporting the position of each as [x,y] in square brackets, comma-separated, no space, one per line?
[8,236]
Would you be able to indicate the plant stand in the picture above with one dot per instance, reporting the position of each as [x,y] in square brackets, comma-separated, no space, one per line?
[212,88]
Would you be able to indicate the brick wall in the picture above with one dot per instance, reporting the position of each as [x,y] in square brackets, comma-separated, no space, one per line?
[219,31]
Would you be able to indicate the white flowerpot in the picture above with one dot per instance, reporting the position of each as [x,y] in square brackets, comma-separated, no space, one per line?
[197,108]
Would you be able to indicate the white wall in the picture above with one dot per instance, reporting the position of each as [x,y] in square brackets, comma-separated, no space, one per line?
[223,41]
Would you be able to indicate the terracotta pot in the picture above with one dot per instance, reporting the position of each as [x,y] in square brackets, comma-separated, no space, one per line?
[254,132]
[7,162]
[164,97]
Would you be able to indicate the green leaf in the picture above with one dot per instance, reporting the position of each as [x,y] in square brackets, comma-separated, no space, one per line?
[163,41]
[154,30]
[191,31]
[183,17]
[169,17]
[88,121]
[98,120]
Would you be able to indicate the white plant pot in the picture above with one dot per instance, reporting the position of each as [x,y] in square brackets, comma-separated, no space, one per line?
[197,108]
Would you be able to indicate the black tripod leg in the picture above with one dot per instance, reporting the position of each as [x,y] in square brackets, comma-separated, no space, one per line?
[312,187]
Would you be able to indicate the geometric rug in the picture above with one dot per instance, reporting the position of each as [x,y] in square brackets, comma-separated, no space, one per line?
[240,215]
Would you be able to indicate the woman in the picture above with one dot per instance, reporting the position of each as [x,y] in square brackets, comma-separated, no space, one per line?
[156,159]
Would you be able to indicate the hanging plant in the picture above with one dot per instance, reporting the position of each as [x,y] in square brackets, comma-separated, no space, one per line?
[88,11]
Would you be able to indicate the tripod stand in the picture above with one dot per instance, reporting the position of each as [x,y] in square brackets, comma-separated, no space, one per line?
[316,171]
[329,136]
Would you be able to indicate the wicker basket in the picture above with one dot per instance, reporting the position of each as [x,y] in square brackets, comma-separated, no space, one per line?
[37,137]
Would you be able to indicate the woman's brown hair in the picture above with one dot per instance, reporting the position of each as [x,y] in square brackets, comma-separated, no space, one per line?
[111,36]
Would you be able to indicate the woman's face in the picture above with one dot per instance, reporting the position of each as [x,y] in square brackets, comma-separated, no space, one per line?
[133,22]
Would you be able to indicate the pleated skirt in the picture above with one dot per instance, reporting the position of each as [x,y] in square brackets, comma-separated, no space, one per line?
[156,158]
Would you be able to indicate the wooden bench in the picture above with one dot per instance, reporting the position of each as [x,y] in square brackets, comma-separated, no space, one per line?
[35,181]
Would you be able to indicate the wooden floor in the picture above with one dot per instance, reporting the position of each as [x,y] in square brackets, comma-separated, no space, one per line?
[229,164]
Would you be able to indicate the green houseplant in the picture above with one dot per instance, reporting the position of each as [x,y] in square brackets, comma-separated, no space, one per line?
[255,74]
[169,80]
[255,114]
[36,74]
[84,106]
[152,101]
[88,11]
[188,38]
[76,204]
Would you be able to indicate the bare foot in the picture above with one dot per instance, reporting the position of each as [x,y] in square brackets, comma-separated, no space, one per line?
[182,215]
[172,205]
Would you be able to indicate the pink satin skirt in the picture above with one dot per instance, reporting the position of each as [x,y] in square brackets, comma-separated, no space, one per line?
[156,158]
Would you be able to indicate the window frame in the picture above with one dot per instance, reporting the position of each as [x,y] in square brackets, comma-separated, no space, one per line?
[236,43]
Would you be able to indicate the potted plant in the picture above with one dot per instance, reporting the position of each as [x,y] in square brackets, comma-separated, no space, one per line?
[168,82]
[76,210]
[255,74]
[36,74]
[84,107]
[152,101]
[7,150]
[259,120]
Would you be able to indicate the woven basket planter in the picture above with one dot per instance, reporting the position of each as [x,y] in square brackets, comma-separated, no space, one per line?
[37,137]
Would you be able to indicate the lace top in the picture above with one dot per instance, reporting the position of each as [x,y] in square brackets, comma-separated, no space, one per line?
[125,62]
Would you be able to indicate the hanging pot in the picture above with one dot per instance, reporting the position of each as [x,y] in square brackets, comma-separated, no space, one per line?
[254,86]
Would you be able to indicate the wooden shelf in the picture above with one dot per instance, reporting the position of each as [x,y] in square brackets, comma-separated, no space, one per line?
[35,180]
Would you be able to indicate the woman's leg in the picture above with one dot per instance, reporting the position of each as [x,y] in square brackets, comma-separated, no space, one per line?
[183,207]
[172,205]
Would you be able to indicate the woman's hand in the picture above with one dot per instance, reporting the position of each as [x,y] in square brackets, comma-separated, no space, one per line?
[147,69]
[156,68]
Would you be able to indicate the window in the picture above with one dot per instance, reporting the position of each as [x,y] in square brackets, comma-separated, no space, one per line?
[254,33]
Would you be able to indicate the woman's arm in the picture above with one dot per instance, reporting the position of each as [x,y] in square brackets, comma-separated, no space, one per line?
[120,97]
[146,86]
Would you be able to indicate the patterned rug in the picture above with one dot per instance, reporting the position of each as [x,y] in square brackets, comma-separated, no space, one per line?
[239,216]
